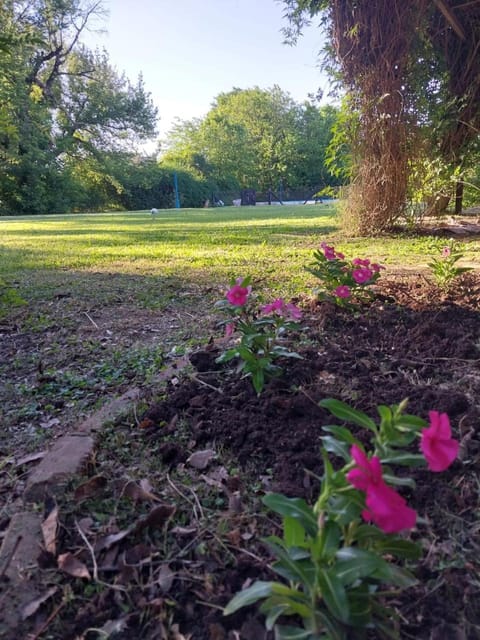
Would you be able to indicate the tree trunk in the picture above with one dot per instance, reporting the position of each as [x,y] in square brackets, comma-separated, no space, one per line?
[458,198]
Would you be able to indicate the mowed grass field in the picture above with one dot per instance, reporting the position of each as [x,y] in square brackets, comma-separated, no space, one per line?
[136,254]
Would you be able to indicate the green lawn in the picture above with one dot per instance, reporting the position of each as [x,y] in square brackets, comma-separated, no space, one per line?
[199,246]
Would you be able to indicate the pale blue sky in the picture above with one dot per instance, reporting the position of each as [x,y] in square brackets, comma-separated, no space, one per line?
[189,51]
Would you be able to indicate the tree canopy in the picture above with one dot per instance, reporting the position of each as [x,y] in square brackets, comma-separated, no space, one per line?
[255,138]
[62,104]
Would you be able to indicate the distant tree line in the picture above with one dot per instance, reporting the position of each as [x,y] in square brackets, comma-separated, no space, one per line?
[71,127]
[258,139]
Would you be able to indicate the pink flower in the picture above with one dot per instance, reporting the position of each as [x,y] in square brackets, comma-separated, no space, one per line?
[340,255]
[376,267]
[238,295]
[229,329]
[385,507]
[366,472]
[359,262]
[437,444]
[274,307]
[279,307]
[361,276]
[446,252]
[343,291]
[293,311]
[329,252]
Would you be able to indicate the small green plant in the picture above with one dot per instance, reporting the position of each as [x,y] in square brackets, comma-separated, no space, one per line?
[261,332]
[342,282]
[9,298]
[444,269]
[335,559]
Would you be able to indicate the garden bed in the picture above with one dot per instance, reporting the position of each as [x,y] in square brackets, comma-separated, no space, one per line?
[174,520]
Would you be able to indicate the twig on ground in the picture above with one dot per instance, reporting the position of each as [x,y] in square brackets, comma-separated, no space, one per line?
[46,624]
[91,320]
[205,384]
[177,490]
[90,548]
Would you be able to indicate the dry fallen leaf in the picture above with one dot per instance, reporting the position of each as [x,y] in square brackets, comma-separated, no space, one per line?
[138,492]
[165,578]
[138,554]
[33,457]
[90,488]
[235,502]
[112,627]
[68,563]
[49,531]
[201,459]
[216,478]
[33,606]
[108,541]
[157,518]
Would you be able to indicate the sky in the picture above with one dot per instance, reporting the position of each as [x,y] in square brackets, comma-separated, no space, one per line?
[189,51]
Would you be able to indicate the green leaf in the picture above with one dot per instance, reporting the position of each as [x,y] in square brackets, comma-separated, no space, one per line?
[342,433]
[227,356]
[295,508]
[290,567]
[368,533]
[348,414]
[326,544]
[258,380]
[360,601]
[385,414]
[346,507]
[334,595]
[273,611]
[405,459]
[400,548]
[353,563]
[340,449]
[334,629]
[410,422]
[246,354]
[391,574]
[257,591]
[292,633]
[293,532]
[399,482]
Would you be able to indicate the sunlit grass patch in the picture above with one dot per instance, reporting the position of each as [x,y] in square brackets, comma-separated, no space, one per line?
[202,246]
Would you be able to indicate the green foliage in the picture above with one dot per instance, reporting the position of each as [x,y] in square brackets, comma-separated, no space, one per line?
[444,269]
[61,105]
[332,566]
[9,297]
[260,344]
[343,283]
[258,139]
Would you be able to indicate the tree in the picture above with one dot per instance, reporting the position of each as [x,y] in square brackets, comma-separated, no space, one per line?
[67,102]
[256,138]
[380,49]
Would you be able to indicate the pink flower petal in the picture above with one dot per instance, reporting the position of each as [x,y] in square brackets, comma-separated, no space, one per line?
[238,295]
[388,510]
[437,444]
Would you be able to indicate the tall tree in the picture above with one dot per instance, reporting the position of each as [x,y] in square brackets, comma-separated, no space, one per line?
[380,49]
[256,138]
[66,102]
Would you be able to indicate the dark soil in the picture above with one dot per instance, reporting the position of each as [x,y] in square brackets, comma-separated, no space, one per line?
[412,342]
